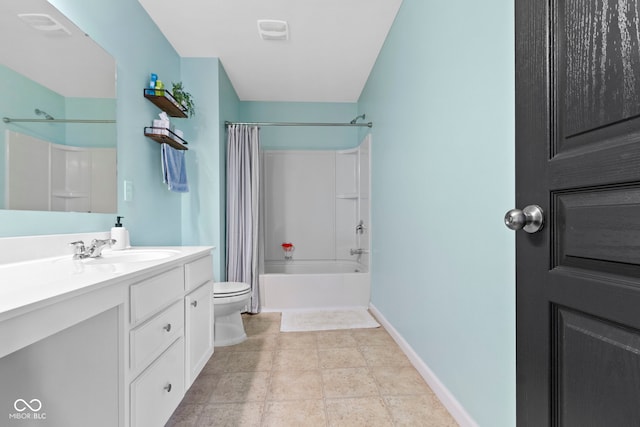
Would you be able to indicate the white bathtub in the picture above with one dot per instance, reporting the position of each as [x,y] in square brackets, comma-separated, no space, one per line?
[300,285]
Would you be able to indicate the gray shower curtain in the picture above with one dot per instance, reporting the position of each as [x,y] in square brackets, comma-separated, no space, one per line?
[243,208]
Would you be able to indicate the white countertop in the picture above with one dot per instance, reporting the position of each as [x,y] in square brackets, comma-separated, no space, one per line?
[28,285]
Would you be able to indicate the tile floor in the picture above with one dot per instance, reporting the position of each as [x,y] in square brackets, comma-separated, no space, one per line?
[353,377]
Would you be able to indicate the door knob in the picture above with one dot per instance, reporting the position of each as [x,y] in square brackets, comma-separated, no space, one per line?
[531,219]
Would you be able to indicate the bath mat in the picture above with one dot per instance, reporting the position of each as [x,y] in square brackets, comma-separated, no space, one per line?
[297,321]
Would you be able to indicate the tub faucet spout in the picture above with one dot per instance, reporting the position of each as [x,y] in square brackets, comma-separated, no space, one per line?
[358,251]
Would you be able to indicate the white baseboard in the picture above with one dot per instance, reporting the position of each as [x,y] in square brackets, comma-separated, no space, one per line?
[449,401]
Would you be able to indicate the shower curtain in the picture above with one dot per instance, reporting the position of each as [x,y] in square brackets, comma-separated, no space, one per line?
[243,208]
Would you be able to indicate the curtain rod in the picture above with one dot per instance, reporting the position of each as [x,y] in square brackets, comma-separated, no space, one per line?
[9,120]
[370,124]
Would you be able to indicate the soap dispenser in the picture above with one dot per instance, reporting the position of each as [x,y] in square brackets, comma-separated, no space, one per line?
[120,235]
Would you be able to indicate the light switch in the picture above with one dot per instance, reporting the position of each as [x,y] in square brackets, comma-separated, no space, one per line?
[128,190]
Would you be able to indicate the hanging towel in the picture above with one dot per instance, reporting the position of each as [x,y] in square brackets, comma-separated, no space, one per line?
[174,171]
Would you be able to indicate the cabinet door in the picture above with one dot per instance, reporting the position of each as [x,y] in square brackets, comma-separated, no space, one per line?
[199,330]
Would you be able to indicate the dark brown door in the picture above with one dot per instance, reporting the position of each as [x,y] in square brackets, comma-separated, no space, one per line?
[578,157]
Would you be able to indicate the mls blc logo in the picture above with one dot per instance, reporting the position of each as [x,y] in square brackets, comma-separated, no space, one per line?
[21,405]
[27,410]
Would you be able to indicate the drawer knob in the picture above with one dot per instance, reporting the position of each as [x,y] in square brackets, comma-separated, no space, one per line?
[168,388]
[168,327]
[195,303]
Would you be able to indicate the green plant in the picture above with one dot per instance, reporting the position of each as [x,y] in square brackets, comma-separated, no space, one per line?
[183,98]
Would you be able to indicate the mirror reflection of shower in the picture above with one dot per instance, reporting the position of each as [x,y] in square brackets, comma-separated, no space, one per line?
[46,115]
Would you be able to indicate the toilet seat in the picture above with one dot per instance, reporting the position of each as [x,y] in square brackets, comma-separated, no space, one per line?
[230,289]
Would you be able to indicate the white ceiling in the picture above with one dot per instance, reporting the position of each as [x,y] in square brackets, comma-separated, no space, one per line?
[332,46]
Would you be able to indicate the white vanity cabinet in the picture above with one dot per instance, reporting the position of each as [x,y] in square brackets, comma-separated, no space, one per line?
[170,338]
[114,342]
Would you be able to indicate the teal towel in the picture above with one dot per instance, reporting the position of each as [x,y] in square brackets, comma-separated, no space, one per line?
[174,171]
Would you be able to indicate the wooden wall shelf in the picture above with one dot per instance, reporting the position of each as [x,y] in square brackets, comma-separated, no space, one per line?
[164,100]
[165,136]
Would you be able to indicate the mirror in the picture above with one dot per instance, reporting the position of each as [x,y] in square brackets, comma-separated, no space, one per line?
[58,109]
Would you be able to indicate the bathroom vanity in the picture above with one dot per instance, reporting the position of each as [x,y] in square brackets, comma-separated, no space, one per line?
[110,341]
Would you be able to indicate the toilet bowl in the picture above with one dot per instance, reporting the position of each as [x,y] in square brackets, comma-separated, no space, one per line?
[229,300]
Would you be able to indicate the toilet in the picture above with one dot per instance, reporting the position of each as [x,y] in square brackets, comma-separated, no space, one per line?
[229,300]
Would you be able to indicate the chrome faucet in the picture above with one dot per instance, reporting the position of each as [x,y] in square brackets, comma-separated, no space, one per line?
[93,251]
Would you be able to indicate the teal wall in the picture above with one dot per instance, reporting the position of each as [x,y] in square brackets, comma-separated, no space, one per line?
[154,216]
[199,205]
[441,97]
[203,207]
[303,138]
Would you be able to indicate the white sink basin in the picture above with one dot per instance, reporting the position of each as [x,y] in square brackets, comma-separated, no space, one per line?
[131,255]
[125,257]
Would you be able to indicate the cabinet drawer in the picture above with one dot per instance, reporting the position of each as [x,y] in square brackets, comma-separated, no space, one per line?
[157,392]
[150,339]
[198,272]
[151,295]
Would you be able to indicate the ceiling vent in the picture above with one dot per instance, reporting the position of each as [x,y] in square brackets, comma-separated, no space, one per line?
[44,22]
[271,29]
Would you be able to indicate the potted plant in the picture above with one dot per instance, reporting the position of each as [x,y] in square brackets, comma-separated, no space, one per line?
[183,98]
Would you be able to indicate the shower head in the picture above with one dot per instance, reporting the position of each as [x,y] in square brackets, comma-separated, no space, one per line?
[354,121]
[39,112]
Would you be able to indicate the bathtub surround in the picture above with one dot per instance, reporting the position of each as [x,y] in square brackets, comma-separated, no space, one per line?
[243,208]
[317,201]
[327,320]
[299,202]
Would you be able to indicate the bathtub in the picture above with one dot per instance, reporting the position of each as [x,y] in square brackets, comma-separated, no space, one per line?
[302,285]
